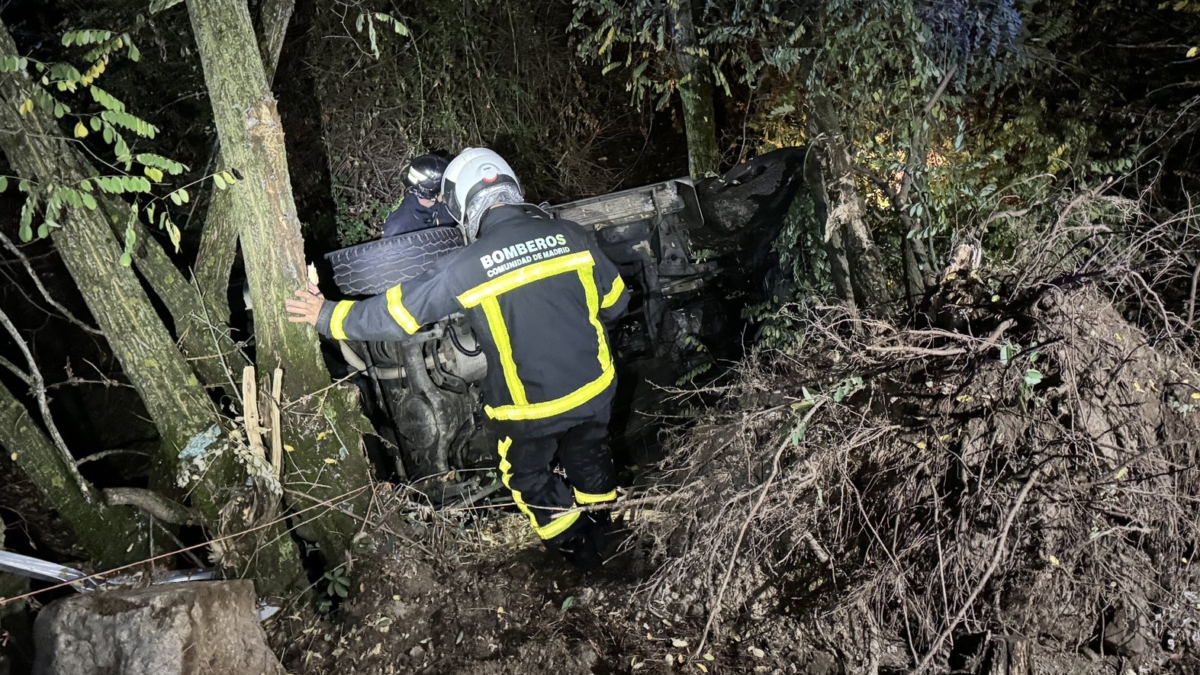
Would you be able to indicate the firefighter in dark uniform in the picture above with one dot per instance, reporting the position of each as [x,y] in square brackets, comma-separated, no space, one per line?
[422,207]
[539,294]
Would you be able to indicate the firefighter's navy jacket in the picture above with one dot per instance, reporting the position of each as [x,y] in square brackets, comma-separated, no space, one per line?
[538,293]
[410,216]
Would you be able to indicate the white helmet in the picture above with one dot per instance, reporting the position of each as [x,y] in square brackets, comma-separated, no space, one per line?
[476,180]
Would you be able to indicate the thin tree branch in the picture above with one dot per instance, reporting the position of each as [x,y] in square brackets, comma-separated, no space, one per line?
[42,289]
[996,558]
[762,496]
[39,391]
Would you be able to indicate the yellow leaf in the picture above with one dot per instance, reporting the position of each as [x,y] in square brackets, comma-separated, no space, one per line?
[330,460]
[1195,396]
[80,130]
[153,174]
[1118,336]
[920,445]
[944,437]
[1054,561]
[289,448]
[965,398]
[702,667]
[1193,51]
[1121,473]
[26,107]
[14,457]
[678,644]
[995,298]
[709,657]
[1137,386]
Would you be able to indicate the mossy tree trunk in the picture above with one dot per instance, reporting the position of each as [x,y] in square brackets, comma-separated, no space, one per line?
[219,236]
[109,536]
[327,461]
[845,221]
[695,91]
[170,390]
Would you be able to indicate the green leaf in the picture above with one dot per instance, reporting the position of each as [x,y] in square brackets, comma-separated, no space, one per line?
[610,67]
[219,181]
[43,231]
[1033,377]
[134,53]
[126,259]
[89,201]
[174,233]
[567,604]
[358,23]
[3,183]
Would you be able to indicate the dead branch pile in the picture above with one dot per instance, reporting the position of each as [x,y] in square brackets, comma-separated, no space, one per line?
[1023,467]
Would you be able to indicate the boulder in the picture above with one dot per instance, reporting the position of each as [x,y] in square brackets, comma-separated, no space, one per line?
[198,628]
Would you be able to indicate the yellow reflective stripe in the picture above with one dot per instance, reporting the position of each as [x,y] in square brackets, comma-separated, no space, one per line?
[614,293]
[589,498]
[557,526]
[537,411]
[337,322]
[548,531]
[491,309]
[525,275]
[593,305]
[505,466]
[399,313]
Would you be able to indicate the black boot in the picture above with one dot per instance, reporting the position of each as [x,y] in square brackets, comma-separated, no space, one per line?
[579,549]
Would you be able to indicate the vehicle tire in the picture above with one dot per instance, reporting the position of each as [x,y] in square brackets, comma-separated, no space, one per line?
[752,193]
[374,267]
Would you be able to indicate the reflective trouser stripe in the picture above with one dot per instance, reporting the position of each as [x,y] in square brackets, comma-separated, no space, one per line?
[552,529]
[337,322]
[589,498]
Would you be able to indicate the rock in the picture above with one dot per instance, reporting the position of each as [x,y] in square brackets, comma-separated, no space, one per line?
[198,628]
[1128,633]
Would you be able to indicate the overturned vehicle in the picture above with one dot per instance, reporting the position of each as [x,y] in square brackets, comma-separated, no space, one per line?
[690,253]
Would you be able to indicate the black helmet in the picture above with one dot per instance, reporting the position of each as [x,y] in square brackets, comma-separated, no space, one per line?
[423,176]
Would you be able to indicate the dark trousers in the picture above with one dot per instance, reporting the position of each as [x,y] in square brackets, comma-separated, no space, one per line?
[528,459]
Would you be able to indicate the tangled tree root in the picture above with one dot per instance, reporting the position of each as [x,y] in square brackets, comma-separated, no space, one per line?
[943,497]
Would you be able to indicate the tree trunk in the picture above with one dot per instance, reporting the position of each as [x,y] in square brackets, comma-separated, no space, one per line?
[696,92]
[173,396]
[846,216]
[835,252]
[219,237]
[328,461]
[109,536]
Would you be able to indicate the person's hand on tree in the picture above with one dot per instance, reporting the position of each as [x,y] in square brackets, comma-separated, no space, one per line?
[307,307]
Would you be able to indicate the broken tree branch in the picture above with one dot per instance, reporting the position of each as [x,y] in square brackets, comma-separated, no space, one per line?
[153,503]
